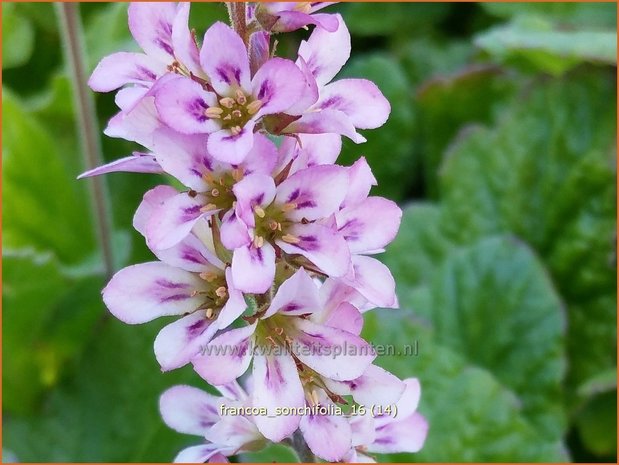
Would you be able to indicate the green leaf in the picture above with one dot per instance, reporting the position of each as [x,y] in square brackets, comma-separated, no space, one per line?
[107,32]
[43,208]
[538,44]
[45,326]
[108,411]
[17,38]
[546,174]
[597,424]
[390,147]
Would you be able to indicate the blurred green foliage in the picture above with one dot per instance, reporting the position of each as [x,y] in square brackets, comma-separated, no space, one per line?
[501,149]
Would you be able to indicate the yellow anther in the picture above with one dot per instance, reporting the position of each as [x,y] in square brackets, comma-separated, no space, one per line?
[208,207]
[235,130]
[236,114]
[287,207]
[290,239]
[215,192]
[221,291]
[258,241]
[279,331]
[209,313]
[273,225]
[227,102]
[254,106]
[237,174]
[240,97]
[228,118]
[208,177]
[213,112]
[259,211]
[208,276]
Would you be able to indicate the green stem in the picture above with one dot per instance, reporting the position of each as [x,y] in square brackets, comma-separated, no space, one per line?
[87,127]
[301,448]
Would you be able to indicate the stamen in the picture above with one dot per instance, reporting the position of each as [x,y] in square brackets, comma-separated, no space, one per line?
[215,192]
[228,118]
[240,97]
[237,174]
[208,207]
[254,106]
[259,211]
[287,207]
[208,177]
[208,276]
[221,291]
[279,331]
[235,130]
[258,241]
[290,239]
[227,102]
[213,112]
[273,225]
[209,313]
[236,114]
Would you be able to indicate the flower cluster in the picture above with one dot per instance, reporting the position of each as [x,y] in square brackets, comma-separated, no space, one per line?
[266,254]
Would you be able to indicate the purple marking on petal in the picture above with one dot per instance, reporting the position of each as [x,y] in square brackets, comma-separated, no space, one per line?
[196,328]
[291,307]
[330,102]
[294,195]
[383,440]
[257,256]
[308,243]
[266,91]
[173,297]
[351,233]
[306,204]
[196,172]
[165,46]
[229,73]
[278,379]
[143,73]
[196,109]
[190,213]
[170,285]
[257,200]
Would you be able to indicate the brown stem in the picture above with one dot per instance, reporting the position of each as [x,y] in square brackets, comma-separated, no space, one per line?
[87,127]
[238,19]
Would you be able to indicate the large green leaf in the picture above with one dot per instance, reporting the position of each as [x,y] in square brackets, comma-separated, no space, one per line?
[389,149]
[546,174]
[537,43]
[44,207]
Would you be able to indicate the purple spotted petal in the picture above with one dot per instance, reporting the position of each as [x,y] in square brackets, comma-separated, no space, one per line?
[141,293]
[326,52]
[369,225]
[151,27]
[317,192]
[328,436]
[173,220]
[406,435]
[124,68]
[137,163]
[234,232]
[253,269]
[224,58]
[360,182]
[359,99]
[185,47]
[232,148]
[183,156]
[325,122]
[255,190]
[191,254]
[226,357]
[259,50]
[151,201]
[375,386]
[262,157]
[298,295]
[182,103]
[293,20]
[189,410]
[179,342]
[276,384]
[211,453]
[322,246]
[277,84]
[374,281]
[331,352]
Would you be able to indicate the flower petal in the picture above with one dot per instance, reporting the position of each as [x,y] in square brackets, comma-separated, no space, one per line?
[331,352]
[359,99]
[226,357]
[183,156]
[298,295]
[321,246]
[363,430]
[119,69]
[185,47]
[137,163]
[233,431]
[232,148]
[173,220]
[232,391]
[179,342]
[369,225]
[151,201]
[345,316]
[360,182]
[374,281]
[326,52]
[202,453]
[317,149]
[151,27]
[262,157]
[224,58]
[325,122]
[255,190]
[141,293]
[234,232]
[317,192]
[407,435]
[327,436]
[276,385]
[182,103]
[253,269]
[277,84]
[189,410]
[293,20]
[375,386]
[235,305]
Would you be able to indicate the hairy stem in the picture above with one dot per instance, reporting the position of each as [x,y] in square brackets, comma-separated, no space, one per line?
[87,127]
[238,19]
[300,447]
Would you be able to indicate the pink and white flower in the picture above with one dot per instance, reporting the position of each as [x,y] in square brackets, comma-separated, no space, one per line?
[290,16]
